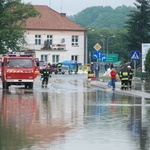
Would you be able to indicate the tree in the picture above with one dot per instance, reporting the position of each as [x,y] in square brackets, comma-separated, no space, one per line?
[13,16]
[117,45]
[138,25]
[102,17]
[147,62]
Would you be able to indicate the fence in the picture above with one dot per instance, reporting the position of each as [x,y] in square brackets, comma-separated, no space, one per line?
[143,75]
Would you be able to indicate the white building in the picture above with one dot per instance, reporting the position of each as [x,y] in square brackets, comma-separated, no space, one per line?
[53,37]
[145,49]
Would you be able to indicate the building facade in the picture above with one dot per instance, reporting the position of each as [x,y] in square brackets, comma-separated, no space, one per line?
[55,38]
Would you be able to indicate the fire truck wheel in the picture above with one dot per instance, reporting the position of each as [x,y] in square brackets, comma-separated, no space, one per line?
[5,85]
[26,86]
[31,85]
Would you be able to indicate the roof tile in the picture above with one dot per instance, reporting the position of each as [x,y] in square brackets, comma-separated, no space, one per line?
[51,20]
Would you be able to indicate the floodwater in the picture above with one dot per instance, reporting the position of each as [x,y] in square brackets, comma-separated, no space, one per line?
[72,118]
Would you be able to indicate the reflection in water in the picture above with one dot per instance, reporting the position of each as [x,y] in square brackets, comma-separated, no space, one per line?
[17,112]
[142,86]
[116,114]
[73,121]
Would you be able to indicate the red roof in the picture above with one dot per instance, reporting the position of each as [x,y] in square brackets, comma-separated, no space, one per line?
[51,20]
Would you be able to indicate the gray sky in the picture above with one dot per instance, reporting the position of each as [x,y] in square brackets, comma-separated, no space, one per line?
[72,7]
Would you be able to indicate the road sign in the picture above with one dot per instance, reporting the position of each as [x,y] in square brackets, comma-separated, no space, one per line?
[110,58]
[97,55]
[135,55]
[103,58]
[97,47]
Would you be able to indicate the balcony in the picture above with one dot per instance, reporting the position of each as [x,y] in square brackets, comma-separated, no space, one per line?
[58,46]
[54,47]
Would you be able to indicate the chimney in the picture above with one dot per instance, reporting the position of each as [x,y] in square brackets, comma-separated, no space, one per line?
[63,14]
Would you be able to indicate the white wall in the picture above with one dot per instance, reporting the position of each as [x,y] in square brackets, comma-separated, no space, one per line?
[57,37]
[145,48]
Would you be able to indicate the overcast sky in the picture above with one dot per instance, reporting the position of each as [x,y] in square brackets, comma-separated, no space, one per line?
[72,7]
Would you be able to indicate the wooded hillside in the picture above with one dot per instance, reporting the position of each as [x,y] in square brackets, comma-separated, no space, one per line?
[102,17]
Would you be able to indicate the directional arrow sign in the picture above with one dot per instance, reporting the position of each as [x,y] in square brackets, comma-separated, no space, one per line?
[97,55]
[103,58]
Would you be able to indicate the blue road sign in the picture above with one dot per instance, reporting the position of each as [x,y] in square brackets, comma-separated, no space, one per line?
[103,58]
[97,55]
[135,55]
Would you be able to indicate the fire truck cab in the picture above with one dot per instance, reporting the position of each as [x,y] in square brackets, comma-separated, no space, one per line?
[19,70]
[0,65]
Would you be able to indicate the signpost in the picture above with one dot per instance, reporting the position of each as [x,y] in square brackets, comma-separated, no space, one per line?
[109,58]
[135,55]
[97,55]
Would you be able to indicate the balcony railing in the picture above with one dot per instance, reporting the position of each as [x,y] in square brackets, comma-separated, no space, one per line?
[46,47]
[58,46]
[54,47]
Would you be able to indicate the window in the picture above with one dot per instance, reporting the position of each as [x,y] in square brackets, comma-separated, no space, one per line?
[44,58]
[74,57]
[55,59]
[49,39]
[19,63]
[37,39]
[74,40]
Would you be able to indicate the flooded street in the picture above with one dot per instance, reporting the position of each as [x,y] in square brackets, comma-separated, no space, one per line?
[69,115]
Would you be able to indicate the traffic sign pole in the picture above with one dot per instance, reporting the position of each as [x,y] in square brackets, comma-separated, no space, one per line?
[135,68]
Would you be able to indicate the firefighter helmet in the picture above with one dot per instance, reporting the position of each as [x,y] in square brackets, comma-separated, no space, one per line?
[129,67]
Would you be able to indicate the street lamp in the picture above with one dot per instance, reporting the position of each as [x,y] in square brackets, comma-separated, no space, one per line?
[86,47]
[108,40]
[103,46]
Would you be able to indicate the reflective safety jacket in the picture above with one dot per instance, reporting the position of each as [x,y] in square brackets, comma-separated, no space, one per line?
[131,74]
[59,65]
[45,73]
[124,75]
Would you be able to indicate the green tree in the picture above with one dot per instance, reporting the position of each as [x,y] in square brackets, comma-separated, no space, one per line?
[102,17]
[13,16]
[138,25]
[147,62]
[117,45]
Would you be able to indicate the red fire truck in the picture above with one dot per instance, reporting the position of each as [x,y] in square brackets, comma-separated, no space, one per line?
[19,70]
[0,65]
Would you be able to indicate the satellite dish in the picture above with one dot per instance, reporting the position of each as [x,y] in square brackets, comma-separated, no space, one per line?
[62,40]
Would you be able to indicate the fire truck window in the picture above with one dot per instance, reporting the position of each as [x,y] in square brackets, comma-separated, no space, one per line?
[19,63]
[10,64]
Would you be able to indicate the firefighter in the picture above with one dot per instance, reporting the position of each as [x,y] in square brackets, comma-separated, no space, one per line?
[45,74]
[59,65]
[76,67]
[124,77]
[131,74]
[92,67]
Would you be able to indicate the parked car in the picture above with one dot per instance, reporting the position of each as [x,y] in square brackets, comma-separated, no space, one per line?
[53,69]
